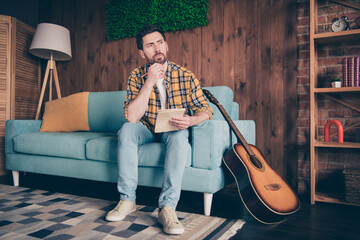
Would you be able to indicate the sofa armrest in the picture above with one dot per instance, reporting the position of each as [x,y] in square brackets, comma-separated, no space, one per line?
[247,128]
[209,141]
[16,127]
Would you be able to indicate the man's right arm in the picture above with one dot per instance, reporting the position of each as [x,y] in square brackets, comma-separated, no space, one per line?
[137,107]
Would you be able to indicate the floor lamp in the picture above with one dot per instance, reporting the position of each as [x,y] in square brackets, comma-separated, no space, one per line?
[50,42]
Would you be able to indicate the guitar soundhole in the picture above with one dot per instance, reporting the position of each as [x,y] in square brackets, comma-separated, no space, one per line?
[256,162]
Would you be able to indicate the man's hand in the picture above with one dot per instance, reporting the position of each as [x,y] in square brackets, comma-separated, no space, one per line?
[156,72]
[187,121]
[181,122]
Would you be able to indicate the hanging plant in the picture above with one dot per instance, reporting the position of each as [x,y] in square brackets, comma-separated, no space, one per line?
[126,17]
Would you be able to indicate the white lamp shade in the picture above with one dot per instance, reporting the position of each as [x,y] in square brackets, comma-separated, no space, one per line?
[51,39]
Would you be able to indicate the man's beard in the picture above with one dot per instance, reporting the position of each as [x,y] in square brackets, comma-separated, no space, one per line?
[157,58]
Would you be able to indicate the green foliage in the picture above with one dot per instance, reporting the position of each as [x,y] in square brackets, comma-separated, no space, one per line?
[126,17]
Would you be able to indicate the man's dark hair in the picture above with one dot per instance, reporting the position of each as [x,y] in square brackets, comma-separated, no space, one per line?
[145,30]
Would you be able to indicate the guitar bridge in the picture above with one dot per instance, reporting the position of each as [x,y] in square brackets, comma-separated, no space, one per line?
[273,187]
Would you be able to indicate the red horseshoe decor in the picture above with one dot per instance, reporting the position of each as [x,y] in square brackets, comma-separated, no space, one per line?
[340,131]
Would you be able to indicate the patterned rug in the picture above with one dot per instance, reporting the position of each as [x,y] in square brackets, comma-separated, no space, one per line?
[36,214]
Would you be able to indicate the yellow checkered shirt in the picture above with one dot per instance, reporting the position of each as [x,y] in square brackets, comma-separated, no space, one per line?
[182,88]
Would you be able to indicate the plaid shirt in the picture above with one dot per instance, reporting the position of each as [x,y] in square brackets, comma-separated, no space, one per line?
[182,88]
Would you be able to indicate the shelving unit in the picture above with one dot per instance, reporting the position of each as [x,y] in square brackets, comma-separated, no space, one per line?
[317,39]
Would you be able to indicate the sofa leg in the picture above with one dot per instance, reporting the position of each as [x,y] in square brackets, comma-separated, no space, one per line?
[15,175]
[207,203]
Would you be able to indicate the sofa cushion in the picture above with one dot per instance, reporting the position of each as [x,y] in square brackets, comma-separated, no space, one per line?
[106,111]
[102,149]
[69,145]
[66,114]
[150,155]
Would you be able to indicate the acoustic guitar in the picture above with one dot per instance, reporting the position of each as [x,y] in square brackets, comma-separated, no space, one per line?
[267,197]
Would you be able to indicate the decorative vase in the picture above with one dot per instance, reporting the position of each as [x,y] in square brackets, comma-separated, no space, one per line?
[336,84]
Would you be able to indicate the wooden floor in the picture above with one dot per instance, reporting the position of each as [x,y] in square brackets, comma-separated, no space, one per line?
[320,221]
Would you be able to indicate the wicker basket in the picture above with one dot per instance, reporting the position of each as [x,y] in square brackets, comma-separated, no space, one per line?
[352,185]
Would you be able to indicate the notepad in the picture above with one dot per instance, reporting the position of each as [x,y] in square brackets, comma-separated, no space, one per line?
[162,121]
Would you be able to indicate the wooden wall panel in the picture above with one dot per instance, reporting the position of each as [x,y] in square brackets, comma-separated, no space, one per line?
[212,49]
[290,93]
[277,80]
[263,76]
[249,46]
[184,47]
[228,54]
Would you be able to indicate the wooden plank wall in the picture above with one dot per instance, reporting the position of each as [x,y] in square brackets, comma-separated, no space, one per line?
[248,45]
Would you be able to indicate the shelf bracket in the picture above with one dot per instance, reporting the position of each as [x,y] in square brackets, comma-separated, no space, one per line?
[346,105]
[352,5]
[343,103]
[346,129]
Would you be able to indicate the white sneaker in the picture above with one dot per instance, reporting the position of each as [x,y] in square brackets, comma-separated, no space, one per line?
[171,224]
[122,209]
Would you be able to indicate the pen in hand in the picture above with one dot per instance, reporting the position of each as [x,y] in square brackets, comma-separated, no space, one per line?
[145,74]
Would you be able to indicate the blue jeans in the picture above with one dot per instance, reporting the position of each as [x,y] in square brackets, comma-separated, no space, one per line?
[130,137]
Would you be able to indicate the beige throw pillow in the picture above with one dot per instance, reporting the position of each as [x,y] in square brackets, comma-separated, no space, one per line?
[66,114]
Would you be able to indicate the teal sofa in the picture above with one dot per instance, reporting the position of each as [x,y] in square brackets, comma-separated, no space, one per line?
[92,154]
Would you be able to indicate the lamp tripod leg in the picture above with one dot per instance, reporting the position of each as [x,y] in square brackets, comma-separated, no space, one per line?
[50,84]
[57,85]
[43,91]
[50,69]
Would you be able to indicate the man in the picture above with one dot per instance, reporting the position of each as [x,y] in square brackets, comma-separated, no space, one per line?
[159,84]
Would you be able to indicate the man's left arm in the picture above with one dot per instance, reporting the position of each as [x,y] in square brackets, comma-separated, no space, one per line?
[198,104]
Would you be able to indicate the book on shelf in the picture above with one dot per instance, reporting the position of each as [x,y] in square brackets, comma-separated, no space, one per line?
[356,71]
[351,62]
[345,72]
[350,71]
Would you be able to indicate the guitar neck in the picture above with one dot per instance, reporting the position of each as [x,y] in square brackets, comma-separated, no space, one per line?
[235,130]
